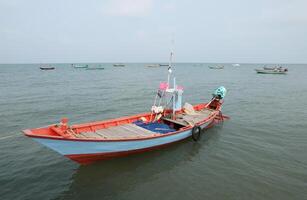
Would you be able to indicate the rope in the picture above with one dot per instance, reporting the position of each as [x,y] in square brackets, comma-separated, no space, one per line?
[9,136]
[221,116]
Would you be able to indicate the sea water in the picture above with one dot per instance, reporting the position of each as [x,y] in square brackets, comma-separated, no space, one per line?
[260,153]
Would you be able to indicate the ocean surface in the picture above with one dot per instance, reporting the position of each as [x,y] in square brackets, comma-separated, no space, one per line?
[260,153]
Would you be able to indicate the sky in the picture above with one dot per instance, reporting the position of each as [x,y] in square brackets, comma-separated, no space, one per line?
[221,31]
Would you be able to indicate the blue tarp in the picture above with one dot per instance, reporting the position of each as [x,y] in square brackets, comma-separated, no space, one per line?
[155,127]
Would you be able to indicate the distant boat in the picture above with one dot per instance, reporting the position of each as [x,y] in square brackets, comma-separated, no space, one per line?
[95,68]
[269,68]
[163,65]
[216,67]
[153,65]
[80,66]
[236,65]
[47,68]
[271,71]
[273,68]
[119,65]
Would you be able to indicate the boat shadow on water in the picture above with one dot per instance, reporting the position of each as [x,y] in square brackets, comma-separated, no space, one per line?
[119,175]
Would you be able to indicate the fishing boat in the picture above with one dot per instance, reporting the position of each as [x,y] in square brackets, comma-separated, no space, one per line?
[47,68]
[216,67]
[80,66]
[119,65]
[279,68]
[95,68]
[164,65]
[272,71]
[269,68]
[167,123]
[153,65]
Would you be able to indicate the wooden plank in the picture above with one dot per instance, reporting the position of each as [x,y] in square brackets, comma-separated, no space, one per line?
[128,131]
[195,118]
[124,131]
[139,132]
[139,129]
[132,130]
[205,112]
[90,135]
[106,134]
[120,132]
[192,119]
[101,135]
[79,136]
[175,121]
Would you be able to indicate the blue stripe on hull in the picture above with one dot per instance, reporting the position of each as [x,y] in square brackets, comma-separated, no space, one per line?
[68,147]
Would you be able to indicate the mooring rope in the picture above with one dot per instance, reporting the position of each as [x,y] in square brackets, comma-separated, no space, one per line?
[10,136]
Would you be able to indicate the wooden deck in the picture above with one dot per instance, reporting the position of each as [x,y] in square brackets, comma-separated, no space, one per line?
[126,131]
[130,131]
[191,119]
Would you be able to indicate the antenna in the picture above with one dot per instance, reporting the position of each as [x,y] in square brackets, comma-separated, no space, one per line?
[171,59]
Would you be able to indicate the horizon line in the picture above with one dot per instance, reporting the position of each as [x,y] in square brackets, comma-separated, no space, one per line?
[193,62]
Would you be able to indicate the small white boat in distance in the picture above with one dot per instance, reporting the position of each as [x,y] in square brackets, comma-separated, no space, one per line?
[95,68]
[272,71]
[79,66]
[216,67]
[274,68]
[153,65]
[119,65]
[236,65]
[163,65]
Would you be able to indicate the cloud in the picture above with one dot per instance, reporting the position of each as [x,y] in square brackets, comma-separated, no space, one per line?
[169,6]
[140,34]
[134,8]
[286,12]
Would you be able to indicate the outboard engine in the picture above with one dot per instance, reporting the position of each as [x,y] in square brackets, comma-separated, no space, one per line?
[219,93]
[216,100]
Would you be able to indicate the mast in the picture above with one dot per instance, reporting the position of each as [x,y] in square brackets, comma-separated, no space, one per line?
[170,61]
[165,91]
[175,92]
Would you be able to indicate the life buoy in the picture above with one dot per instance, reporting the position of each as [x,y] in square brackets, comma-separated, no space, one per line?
[196,131]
